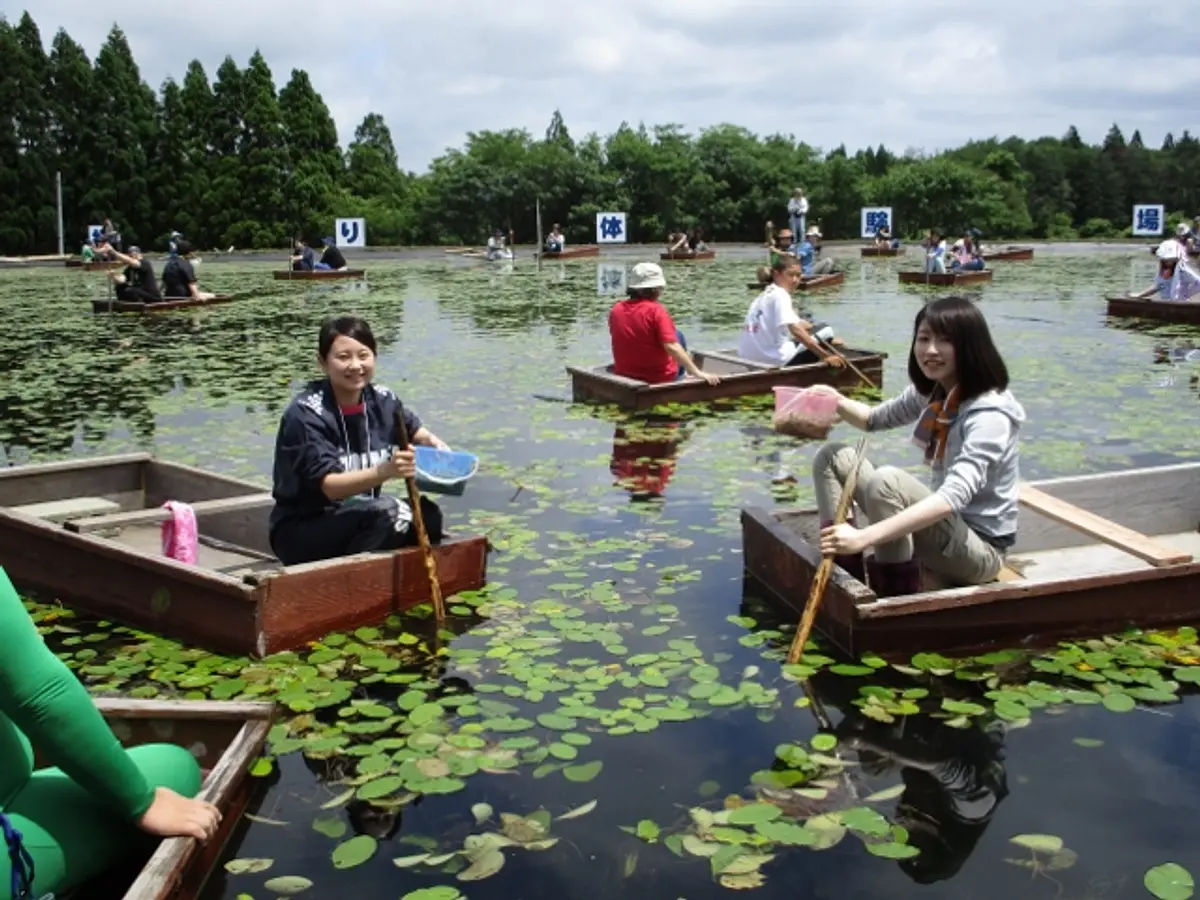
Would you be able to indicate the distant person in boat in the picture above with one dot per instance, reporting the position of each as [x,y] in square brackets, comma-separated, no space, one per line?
[1168,254]
[935,253]
[91,804]
[111,235]
[497,247]
[331,257]
[695,241]
[87,253]
[807,253]
[173,243]
[969,425]
[677,243]
[797,209]
[137,283]
[646,345]
[884,239]
[785,245]
[556,242]
[965,257]
[776,334]
[179,277]
[303,258]
[336,449]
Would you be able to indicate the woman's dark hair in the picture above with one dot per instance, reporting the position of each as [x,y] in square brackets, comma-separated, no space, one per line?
[645,293]
[345,326]
[183,248]
[978,362]
[783,263]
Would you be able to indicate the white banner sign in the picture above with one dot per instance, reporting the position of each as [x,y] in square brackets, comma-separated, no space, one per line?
[1148,219]
[350,232]
[874,218]
[94,231]
[610,280]
[610,228]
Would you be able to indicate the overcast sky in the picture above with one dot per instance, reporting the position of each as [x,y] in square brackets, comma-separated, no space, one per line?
[911,74]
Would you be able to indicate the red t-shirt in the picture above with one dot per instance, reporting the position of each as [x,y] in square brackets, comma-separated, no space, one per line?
[639,328]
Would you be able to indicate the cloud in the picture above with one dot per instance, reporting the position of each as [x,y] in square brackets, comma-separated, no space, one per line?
[925,73]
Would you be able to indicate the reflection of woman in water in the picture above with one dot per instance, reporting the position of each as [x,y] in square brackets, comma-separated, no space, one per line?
[953,781]
[644,456]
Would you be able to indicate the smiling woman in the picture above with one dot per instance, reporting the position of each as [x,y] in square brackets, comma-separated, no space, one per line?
[336,448]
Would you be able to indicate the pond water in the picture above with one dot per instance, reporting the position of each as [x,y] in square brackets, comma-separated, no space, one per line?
[616,655]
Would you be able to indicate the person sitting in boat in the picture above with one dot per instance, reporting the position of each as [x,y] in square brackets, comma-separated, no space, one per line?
[95,803]
[110,234]
[303,258]
[884,239]
[807,253]
[969,425]
[179,276]
[497,247]
[785,246]
[677,243]
[964,257]
[137,283]
[331,257]
[336,448]
[935,252]
[695,241]
[556,242]
[775,334]
[173,243]
[87,252]
[646,345]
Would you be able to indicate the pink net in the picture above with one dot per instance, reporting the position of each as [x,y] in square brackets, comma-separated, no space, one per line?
[804,413]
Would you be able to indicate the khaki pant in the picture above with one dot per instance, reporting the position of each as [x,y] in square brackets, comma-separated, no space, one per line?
[824,266]
[948,548]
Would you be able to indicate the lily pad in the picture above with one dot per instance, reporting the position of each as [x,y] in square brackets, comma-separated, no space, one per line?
[288,885]
[354,852]
[1170,881]
[583,773]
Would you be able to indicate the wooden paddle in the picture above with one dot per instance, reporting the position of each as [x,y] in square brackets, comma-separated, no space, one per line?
[414,501]
[829,348]
[817,593]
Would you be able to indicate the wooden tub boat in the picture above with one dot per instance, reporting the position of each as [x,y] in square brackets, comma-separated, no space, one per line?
[572,252]
[1186,312]
[1008,254]
[225,738]
[1094,555]
[944,279]
[702,256]
[87,532]
[882,251]
[319,274]
[93,266]
[132,306]
[739,378]
[816,282]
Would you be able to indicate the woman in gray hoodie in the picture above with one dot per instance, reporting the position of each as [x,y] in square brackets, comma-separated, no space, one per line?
[961,526]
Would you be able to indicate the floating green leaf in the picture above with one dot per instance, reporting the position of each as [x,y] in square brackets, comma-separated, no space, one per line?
[249,866]
[583,773]
[1042,843]
[1170,881]
[354,852]
[288,885]
[754,813]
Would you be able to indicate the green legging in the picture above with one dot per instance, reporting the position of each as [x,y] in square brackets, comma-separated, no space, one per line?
[77,818]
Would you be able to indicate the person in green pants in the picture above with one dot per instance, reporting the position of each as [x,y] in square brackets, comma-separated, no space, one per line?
[83,815]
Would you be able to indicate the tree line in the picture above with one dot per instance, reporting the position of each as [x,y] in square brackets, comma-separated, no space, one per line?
[234,161]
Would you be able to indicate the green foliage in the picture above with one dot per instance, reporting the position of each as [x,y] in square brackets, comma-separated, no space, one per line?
[236,163]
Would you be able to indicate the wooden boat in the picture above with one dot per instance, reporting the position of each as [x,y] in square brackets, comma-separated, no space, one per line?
[1008,254]
[882,251]
[739,378]
[133,306]
[86,532]
[944,279]
[758,285]
[702,256]
[572,252]
[1185,312]
[1094,555]
[816,282]
[225,738]
[319,274]
[93,266]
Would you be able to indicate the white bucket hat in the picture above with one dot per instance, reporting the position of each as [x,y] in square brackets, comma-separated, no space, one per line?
[813,231]
[1182,229]
[646,275]
[1168,250]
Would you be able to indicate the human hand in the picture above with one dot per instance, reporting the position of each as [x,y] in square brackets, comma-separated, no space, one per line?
[401,465]
[173,815]
[842,540]
[710,377]
[832,359]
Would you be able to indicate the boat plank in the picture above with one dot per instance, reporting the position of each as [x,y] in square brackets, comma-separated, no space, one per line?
[1186,312]
[318,274]
[944,279]
[89,523]
[117,478]
[1106,530]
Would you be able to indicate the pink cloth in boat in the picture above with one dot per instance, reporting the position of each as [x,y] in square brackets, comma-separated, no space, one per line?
[180,536]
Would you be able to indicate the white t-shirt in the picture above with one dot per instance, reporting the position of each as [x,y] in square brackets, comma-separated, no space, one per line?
[765,336]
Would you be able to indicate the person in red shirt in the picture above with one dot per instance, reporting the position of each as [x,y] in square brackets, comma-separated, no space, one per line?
[646,345]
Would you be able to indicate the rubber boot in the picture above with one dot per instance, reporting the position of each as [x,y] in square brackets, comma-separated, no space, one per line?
[894,579]
[853,564]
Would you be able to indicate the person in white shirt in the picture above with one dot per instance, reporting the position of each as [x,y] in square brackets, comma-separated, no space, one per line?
[775,334]
[496,247]
[935,252]
[798,211]
[556,242]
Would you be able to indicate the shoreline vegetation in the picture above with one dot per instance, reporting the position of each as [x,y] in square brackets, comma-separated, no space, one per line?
[238,161]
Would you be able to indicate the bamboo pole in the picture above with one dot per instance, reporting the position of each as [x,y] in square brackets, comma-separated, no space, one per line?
[817,592]
[414,501]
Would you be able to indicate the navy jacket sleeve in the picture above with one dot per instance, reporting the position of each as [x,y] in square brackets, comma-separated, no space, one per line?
[389,402]
[307,448]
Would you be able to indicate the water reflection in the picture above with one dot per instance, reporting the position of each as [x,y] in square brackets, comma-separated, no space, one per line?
[644,455]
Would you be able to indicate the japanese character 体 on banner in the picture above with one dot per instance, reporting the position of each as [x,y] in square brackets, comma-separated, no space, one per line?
[874,218]
[610,228]
[1148,219]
